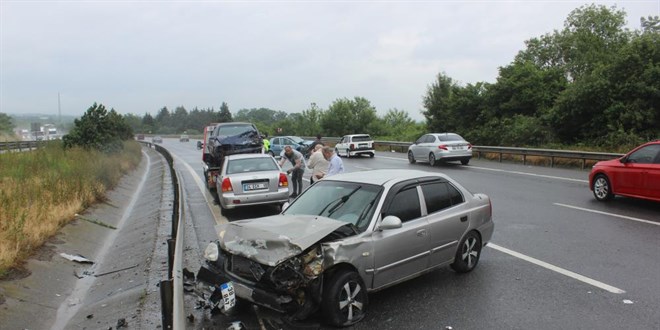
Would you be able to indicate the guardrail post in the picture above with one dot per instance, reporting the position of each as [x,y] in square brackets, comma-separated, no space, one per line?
[524,159]
[500,157]
[552,161]
[584,163]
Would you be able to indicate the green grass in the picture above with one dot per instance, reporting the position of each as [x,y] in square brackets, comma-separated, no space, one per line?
[42,190]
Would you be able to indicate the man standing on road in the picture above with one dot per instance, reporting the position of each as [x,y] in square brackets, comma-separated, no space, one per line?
[266,142]
[296,159]
[336,164]
[317,163]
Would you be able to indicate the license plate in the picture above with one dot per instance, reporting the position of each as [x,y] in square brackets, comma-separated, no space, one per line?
[228,295]
[365,145]
[457,148]
[255,186]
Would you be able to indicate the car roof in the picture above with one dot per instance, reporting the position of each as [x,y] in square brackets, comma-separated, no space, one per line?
[234,123]
[365,134]
[382,177]
[246,156]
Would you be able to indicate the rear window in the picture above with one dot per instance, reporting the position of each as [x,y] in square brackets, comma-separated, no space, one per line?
[450,137]
[231,130]
[360,138]
[251,165]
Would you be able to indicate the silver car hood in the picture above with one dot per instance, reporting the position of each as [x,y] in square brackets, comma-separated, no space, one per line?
[272,240]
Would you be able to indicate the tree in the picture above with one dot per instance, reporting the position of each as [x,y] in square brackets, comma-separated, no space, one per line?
[224,115]
[99,129]
[438,104]
[6,124]
[346,116]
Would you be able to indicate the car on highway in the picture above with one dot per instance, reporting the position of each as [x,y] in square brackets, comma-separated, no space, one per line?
[636,174]
[184,138]
[345,236]
[157,139]
[277,144]
[434,147]
[355,145]
[232,138]
[251,179]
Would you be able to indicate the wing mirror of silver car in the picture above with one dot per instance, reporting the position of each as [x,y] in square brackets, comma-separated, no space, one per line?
[390,222]
[285,206]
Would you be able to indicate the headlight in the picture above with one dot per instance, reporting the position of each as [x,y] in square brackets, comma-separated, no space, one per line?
[211,252]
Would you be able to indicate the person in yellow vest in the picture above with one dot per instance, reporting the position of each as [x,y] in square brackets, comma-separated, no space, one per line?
[266,142]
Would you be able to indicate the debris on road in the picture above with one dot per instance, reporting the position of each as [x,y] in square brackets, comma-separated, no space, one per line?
[77,258]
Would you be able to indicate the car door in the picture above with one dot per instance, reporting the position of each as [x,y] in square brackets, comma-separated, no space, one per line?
[341,146]
[447,217]
[418,146]
[401,252]
[631,178]
[653,176]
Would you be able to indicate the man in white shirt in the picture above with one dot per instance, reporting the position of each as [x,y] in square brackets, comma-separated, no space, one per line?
[336,164]
[317,163]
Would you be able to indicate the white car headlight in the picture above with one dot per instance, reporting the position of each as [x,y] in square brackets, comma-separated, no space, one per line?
[211,252]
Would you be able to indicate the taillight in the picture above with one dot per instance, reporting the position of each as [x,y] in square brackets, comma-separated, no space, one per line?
[352,146]
[226,185]
[284,182]
[469,146]
[443,147]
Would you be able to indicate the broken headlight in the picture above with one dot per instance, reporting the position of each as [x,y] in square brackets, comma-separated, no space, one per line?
[211,252]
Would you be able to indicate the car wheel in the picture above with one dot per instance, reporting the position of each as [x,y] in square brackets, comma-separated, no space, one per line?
[345,299]
[348,153]
[411,158]
[337,152]
[371,155]
[465,161]
[271,153]
[432,159]
[602,189]
[468,253]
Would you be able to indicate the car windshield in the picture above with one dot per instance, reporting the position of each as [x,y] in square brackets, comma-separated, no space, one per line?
[344,201]
[251,165]
[231,130]
[360,138]
[296,139]
[450,137]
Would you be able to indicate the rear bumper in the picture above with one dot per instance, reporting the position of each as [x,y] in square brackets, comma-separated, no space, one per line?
[453,155]
[229,200]
[356,152]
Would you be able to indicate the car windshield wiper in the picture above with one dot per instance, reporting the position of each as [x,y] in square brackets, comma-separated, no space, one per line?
[339,201]
[365,212]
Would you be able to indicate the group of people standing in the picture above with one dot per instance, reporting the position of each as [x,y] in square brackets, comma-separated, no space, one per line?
[323,161]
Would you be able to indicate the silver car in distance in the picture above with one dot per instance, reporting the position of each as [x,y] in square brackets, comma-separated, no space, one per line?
[345,236]
[251,179]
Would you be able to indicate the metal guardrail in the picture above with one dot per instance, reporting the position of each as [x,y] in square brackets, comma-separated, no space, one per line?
[552,154]
[20,145]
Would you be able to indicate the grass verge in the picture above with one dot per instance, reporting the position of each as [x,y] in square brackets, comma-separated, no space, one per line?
[42,190]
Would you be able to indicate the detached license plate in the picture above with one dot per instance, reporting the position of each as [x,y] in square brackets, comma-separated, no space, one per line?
[228,295]
[255,186]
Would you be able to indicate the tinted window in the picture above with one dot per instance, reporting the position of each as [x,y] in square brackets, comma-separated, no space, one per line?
[405,205]
[645,155]
[429,139]
[360,138]
[454,194]
[436,196]
[450,137]
[421,139]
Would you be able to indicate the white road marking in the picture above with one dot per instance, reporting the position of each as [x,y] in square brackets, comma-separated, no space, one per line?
[511,172]
[219,218]
[559,270]
[610,214]
[364,168]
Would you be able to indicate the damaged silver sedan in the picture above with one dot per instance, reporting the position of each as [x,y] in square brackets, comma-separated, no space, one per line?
[345,236]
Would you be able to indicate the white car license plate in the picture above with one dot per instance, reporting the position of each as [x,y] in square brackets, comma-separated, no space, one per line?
[255,186]
[228,295]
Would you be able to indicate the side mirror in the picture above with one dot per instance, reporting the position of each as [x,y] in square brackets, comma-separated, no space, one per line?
[390,222]
[623,159]
[199,145]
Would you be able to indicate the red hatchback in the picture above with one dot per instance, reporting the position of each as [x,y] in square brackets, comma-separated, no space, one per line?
[637,174]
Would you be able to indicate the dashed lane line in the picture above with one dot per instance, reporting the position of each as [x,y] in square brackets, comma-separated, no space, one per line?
[609,214]
[559,270]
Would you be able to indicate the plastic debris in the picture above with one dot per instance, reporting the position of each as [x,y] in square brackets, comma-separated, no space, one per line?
[236,325]
[76,258]
[628,302]
[122,323]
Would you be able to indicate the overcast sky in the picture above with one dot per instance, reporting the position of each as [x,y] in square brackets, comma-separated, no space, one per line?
[139,56]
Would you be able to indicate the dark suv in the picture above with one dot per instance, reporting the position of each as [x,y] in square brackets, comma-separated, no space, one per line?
[233,138]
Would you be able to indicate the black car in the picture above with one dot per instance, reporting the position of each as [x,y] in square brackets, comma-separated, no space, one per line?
[233,138]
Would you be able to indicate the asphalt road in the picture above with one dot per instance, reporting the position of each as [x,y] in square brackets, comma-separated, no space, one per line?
[558,258]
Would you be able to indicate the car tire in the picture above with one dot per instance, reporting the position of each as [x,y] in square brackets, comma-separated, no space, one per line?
[345,299]
[348,153]
[337,152]
[371,155]
[468,253]
[432,160]
[465,161]
[411,158]
[602,188]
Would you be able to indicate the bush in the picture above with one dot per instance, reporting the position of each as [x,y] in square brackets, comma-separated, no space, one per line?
[99,130]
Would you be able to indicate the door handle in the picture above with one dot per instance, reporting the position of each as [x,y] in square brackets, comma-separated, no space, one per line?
[464,218]
[421,232]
